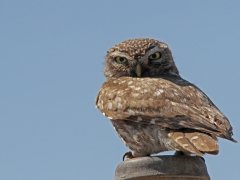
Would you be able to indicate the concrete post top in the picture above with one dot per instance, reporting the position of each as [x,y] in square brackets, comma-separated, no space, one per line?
[162,167]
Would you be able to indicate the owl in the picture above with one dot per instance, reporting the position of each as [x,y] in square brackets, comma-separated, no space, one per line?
[152,108]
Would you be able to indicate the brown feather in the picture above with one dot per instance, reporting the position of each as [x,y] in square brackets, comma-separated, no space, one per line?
[186,106]
[184,142]
[202,141]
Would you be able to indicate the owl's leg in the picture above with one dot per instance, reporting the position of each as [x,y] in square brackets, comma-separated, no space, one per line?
[130,155]
[182,153]
[179,153]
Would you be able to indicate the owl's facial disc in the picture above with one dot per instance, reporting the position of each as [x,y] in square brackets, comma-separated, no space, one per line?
[139,58]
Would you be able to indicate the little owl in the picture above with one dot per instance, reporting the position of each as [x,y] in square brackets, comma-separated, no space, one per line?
[152,108]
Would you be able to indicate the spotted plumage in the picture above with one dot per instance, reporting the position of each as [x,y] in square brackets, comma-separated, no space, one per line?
[152,108]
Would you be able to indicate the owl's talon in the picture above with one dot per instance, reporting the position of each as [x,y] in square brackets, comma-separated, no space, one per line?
[202,158]
[179,153]
[128,155]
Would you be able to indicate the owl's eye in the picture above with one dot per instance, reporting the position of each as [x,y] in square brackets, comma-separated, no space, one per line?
[121,60]
[155,56]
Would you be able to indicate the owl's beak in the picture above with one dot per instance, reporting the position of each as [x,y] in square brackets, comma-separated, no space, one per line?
[138,70]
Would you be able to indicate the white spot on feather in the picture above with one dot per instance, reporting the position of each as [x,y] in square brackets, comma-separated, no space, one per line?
[135,94]
[176,94]
[184,100]
[139,118]
[158,92]
[130,112]
[153,120]
[185,145]
[118,99]
[119,115]
[173,103]
[179,137]
[165,86]
[119,106]
[194,137]
[130,82]
[110,105]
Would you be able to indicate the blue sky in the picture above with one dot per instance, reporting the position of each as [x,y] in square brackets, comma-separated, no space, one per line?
[51,68]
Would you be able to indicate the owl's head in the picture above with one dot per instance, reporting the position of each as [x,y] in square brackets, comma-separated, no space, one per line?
[139,58]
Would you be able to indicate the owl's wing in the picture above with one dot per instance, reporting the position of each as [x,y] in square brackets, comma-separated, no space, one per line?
[175,104]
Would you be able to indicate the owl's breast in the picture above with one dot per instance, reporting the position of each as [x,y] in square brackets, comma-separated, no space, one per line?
[144,139]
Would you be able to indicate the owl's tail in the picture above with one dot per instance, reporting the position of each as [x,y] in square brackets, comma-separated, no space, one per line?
[195,142]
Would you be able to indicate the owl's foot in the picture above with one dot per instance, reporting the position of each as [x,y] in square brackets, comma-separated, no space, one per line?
[181,153]
[128,155]
[202,158]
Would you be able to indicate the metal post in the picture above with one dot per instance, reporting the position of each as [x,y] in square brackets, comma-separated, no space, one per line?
[162,168]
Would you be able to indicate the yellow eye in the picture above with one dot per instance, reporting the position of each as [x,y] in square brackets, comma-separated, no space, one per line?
[155,56]
[120,60]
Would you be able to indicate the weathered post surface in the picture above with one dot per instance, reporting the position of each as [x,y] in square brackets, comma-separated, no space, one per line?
[162,168]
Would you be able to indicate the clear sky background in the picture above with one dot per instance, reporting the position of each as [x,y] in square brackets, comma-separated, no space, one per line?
[51,68]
